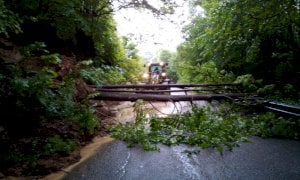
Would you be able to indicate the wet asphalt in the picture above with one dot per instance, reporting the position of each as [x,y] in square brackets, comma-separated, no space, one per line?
[259,159]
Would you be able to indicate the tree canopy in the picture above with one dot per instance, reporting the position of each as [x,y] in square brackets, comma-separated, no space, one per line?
[50,52]
[244,37]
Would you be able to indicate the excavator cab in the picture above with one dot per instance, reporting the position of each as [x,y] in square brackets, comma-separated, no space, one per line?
[156,73]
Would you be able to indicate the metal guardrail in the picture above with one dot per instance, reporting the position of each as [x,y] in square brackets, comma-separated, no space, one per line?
[283,108]
[255,101]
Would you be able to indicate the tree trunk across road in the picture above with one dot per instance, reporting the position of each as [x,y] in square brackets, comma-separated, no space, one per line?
[159,97]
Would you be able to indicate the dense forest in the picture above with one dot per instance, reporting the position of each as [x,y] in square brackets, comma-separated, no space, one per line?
[244,41]
[52,50]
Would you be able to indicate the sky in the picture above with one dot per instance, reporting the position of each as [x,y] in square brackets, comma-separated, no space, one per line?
[151,33]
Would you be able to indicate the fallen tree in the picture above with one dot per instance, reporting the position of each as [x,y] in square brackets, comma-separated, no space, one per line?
[154,91]
[159,97]
[151,86]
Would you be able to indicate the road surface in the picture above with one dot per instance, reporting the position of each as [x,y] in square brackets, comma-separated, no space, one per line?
[259,159]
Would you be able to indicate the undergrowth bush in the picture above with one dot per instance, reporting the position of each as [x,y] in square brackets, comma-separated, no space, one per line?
[269,125]
[248,83]
[285,93]
[57,145]
[102,75]
[34,95]
[34,90]
[86,118]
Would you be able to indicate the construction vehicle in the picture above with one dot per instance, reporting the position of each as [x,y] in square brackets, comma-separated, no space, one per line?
[156,73]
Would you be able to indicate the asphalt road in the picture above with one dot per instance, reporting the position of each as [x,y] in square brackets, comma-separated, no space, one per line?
[259,159]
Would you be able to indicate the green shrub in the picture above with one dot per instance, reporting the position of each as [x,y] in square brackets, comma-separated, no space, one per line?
[57,145]
[10,21]
[87,119]
[103,75]
[266,90]
[269,125]
[51,58]
[35,82]
[208,73]
[248,82]
[29,50]
[13,156]
[55,98]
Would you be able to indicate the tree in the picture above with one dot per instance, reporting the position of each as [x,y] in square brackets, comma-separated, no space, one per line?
[247,37]
[169,58]
[131,63]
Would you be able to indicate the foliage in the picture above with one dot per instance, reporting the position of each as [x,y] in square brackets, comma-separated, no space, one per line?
[85,27]
[137,132]
[86,118]
[40,89]
[9,21]
[36,98]
[40,86]
[204,128]
[130,48]
[102,75]
[208,73]
[268,125]
[161,7]
[57,145]
[248,82]
[131,63]
[33,48]
[204,73]
[82,26]
[266,90]
[260,38]
[131,70]
[16,158]
[126,70]
[35,82]
[169,58]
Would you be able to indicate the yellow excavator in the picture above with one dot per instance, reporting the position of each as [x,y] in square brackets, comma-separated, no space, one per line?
[156,73]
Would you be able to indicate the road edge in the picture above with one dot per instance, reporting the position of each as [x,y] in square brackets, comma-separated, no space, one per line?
[86,153]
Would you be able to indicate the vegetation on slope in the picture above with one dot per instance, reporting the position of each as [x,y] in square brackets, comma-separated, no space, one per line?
[50,51]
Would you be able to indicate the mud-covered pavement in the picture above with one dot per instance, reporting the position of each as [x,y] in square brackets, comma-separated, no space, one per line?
[259,159]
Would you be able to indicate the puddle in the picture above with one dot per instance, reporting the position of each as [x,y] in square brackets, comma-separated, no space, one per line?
[125,111]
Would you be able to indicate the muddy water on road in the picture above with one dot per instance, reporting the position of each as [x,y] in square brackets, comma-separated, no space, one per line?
[125,111]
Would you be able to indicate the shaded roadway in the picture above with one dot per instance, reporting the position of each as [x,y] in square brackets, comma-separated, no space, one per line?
[259,159]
